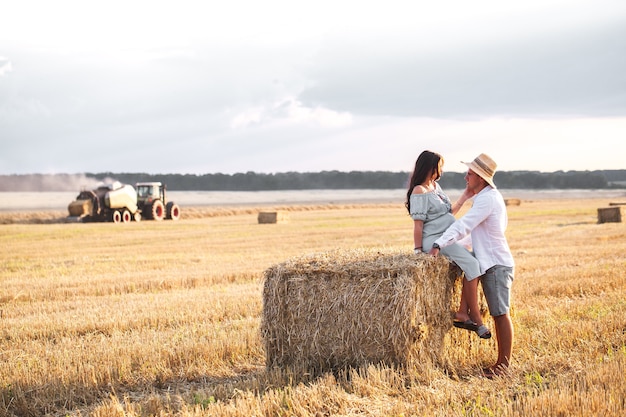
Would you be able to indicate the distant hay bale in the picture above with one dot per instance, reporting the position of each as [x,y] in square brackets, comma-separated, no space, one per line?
[350,308]
[272,217]
[512,201]
[79,207]
[610,215]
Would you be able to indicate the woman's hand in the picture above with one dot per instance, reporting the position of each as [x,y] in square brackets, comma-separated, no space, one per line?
[467,194]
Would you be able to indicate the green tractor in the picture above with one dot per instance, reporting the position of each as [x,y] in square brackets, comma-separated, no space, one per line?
[152,202]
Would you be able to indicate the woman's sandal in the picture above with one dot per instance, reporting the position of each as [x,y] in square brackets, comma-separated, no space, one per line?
[467,325]
[483,332]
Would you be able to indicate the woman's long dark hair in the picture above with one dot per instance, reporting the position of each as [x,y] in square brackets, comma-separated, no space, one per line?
[426,163]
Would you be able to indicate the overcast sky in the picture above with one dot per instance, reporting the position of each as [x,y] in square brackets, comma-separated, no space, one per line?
[276,86]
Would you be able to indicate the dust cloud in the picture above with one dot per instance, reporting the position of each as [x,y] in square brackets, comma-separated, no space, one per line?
[49,182]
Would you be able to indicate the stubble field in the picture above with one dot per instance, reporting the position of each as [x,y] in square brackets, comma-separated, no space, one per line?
[161,319]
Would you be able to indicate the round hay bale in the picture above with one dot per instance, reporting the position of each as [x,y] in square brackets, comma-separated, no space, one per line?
[349,308]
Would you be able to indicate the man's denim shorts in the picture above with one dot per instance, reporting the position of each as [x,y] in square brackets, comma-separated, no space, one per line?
[496,284]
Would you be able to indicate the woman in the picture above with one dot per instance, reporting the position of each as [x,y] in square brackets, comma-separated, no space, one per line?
[432,214]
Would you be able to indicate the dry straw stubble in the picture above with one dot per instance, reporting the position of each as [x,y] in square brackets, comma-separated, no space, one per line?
[349,308]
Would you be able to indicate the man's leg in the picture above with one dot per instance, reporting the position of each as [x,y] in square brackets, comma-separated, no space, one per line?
[504,336]
[496,285]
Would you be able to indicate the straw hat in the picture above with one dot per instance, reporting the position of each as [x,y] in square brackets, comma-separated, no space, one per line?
[484,166]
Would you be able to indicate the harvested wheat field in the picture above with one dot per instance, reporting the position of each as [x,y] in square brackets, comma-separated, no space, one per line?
[167,318]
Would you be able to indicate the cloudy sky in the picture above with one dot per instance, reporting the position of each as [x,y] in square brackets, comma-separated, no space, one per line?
[274,86]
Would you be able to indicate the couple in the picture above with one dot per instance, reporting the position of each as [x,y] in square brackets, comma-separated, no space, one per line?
[437,230]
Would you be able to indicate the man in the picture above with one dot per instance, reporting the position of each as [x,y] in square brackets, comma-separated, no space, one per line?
[486,222]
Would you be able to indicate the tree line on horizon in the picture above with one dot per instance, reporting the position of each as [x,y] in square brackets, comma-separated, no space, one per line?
[251,181]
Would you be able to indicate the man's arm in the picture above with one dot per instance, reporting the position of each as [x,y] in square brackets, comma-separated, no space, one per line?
[463,227]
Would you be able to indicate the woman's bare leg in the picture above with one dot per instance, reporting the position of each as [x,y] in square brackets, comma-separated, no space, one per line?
[468,308]
[470,294]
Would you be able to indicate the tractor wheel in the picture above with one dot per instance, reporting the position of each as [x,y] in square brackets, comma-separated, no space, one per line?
[157,210]
[116,217]
[126,216]
[173,211]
